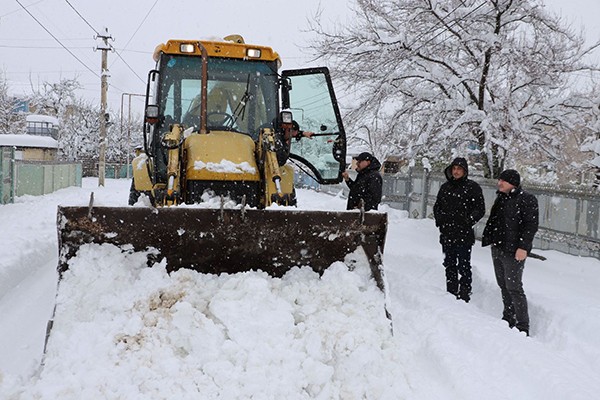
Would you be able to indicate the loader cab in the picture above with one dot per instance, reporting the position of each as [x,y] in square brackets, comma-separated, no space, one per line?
[242,92]
[241,96]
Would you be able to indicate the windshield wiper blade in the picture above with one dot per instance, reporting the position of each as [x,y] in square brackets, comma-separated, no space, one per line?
[240,109]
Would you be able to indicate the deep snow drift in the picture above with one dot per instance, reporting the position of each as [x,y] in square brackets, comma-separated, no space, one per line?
[125,331]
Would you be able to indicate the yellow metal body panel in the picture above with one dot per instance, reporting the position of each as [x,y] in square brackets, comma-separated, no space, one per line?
[220,156]
[141,178]
[216,49]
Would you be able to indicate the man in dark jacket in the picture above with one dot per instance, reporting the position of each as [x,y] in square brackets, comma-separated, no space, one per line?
[458,207]
[368,185]
[510,229]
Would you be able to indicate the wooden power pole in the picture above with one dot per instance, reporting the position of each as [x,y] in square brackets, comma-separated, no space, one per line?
[104,47]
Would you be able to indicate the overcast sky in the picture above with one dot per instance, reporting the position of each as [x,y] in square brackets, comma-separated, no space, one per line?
[30,55]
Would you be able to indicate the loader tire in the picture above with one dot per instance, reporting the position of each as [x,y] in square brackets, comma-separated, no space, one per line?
[134,195]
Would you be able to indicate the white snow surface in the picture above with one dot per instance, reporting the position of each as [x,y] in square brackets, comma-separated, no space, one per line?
[26,140]
[225,166]
[123,330]
[42,118]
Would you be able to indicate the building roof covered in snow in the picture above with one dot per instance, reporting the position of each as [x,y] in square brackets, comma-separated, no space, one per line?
[25,140]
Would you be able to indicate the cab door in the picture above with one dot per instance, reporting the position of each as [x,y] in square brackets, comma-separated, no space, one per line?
[309,95]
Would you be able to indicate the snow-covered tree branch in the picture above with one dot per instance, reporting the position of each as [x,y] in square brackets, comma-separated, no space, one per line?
[10,120]
[438,77]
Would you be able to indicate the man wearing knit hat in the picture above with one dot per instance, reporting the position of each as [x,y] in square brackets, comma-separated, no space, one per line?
[510,230]
[458,206]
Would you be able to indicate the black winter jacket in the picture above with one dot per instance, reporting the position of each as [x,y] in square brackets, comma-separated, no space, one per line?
[513,221]
[368,186]
[458,207]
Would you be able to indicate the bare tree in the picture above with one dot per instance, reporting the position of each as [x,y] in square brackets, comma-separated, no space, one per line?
[439,76]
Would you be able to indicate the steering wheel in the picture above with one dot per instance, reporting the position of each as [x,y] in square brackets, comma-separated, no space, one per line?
[220,119]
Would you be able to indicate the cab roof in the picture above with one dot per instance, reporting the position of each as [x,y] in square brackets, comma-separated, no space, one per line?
[224,49]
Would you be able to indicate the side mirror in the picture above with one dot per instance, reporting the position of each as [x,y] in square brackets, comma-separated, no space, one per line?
[286,117]
[152,114]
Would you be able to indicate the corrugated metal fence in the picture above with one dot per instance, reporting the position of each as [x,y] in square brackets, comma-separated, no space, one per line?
[569,216]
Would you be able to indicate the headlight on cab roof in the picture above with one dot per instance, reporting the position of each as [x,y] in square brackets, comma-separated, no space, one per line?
[186,47]
[253,53]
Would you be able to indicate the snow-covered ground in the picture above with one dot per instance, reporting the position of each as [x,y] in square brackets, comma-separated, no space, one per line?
[125,331]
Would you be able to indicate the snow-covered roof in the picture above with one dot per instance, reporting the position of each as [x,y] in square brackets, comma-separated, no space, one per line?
[42,118]
[28,141]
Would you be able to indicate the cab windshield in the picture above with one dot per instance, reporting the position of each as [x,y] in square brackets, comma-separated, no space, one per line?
[242,94]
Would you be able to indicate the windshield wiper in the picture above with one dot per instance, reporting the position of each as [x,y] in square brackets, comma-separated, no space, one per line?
[240,109]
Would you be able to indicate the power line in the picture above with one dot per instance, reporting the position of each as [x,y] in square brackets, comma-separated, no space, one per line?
[131,38]
[140,25]
[55,38]
[38,47]
[111,47]
[81,16]
[22,39]
[128,66]
[17,10]
[118,53]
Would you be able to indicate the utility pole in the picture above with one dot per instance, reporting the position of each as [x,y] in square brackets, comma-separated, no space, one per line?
[128,125]
[104,47]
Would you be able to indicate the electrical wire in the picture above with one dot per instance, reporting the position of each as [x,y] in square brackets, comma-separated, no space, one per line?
[17,10]
[112,48]
[59,42]
[39,47]
[131,38]
[140,25]
[128,66]
[84,20]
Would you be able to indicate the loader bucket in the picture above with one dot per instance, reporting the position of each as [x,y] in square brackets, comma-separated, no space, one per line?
[220,241]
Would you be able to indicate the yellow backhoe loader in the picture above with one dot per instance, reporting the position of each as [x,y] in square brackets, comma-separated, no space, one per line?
[217,123]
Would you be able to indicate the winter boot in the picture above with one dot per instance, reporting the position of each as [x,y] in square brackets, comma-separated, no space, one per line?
[510,320]
[452,280]
[464,296]
[452,287]
[464,293]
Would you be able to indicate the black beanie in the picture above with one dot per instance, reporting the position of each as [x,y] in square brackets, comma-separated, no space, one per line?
[511,176]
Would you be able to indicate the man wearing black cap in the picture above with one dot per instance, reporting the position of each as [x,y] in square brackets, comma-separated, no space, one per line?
[510,229]
[458,206]
[368,185]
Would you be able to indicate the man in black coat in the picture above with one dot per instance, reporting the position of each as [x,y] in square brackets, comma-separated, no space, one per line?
[510,230]
[458,207]
[368,185]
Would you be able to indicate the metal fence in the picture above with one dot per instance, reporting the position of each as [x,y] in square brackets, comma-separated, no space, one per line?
[20,177]
[111,170]
[569,216]
[7,154]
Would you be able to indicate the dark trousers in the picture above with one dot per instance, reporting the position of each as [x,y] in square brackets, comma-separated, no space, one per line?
[509,275]
[457,262]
